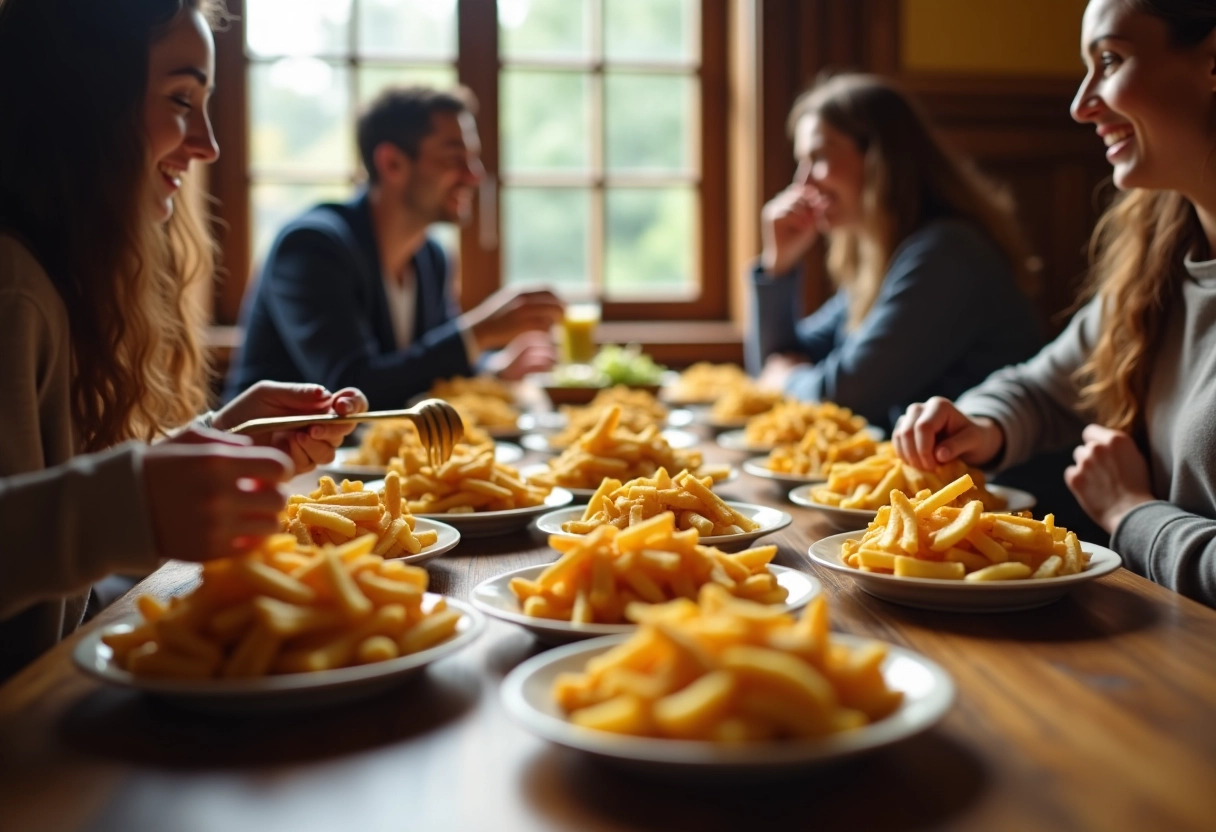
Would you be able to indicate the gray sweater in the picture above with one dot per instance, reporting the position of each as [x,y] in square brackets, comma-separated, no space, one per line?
[948,314]
[1171,540]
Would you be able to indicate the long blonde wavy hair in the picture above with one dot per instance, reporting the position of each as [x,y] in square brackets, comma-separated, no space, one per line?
[82,197]
[909,178]
[1136,256]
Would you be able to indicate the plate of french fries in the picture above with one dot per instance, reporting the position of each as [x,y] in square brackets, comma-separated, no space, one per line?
[743,701]
[346,461]
[736,440]
[995,498]
[703,383]
[748,522]
[588,482]
[676,439]
[286,625]
[922,551]
[758,467]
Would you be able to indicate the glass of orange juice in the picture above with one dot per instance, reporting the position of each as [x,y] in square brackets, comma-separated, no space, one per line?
[577,337]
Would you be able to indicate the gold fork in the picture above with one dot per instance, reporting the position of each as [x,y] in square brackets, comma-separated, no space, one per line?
[439,425]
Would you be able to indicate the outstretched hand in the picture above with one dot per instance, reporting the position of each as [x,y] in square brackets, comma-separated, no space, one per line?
[936,432]
[307,447]
[512,311]
[528,352]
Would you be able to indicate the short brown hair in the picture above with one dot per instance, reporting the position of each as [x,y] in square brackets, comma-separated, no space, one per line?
[403,116]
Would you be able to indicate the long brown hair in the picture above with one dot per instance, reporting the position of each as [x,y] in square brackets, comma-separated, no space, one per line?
[909,178]
[1136,256]
[76,186]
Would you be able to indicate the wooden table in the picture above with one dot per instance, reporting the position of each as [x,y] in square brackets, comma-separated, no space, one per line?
[1096,712]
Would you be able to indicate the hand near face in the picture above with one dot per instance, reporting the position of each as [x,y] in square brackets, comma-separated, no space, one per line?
[936,432]
[307,447]
[777,370]
[512,311]
[788,228]
[528,352]
[212,495]
[1109,476]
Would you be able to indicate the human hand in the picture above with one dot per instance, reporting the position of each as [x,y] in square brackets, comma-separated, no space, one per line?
[788,228]
[777,370]
[1109,476]
[212,495]
[528,352]
[936,432]
[309,446]
[511,311]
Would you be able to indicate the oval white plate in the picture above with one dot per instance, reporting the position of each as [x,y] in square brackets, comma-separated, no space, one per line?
[504,452]
[527,694]
[494,597]
[963,596]
[539,442]
[756,467]
[290,690]
[448,537]
[490,523]
[851,519]
[736,440]
[584,494]
[770,520]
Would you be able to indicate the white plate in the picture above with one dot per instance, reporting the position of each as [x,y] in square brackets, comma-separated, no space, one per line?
[757,468]
[494,597]
[584,494]
[736,440]
[504,452]
[527,695]
[491,523]
[963,596]
[851,519]
[677,439]
[446,542]
[291,690]
[770,520]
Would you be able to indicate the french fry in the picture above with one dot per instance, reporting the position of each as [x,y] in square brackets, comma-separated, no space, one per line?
[689,499]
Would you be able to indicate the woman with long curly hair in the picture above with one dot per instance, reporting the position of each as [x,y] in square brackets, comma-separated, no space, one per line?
[102,255]
[1132,380]
[917,242]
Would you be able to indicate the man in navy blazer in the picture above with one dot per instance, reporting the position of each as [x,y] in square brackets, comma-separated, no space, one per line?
[357,295]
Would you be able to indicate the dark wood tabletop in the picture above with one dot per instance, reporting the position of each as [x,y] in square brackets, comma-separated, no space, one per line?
[1095,712]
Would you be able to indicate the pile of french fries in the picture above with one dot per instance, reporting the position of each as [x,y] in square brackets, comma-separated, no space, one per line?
[868,484]
[824,445]
[610,450]
[639,411]
[925,536]
[742,402]
[689,498]
[483,387]
[481,401]
[337,514]
[602,573]
[391,439]
[728,670]
[705,381]
[789,421]
[286,608]
[471,480]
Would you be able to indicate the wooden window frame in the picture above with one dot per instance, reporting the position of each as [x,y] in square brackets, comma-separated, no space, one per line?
[477,68]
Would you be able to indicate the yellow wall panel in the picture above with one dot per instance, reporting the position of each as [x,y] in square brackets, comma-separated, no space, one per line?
[1038,38]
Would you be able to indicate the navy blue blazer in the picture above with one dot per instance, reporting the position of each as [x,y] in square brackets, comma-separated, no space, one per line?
[319,313]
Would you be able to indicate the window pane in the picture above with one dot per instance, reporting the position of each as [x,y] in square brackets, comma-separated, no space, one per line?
[650,30]
[297,27]
[408,28]
[545,236]
[299,116]
[372,79]
[275,205]
[544,29]
[651,237]
[648,122]
[546,123]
